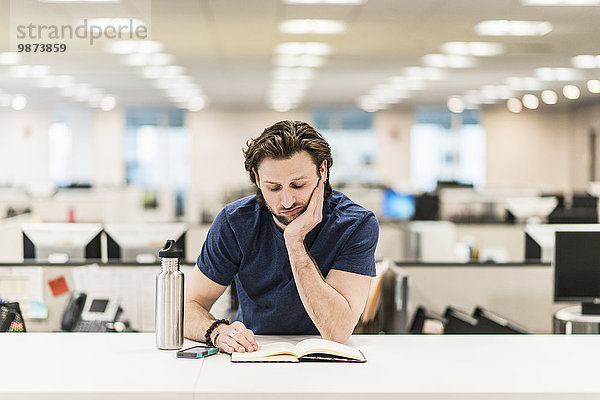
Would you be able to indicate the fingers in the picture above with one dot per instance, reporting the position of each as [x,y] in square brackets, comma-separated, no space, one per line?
[247,335]
[236,337]
[318,197]
[225,347]
[231,345]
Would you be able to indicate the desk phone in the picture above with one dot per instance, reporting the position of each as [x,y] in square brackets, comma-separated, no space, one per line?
[87,314]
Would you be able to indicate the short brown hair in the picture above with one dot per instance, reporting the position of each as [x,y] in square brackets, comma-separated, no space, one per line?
[281,141]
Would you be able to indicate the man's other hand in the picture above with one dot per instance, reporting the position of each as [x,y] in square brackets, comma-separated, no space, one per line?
[235,337]
[305,222]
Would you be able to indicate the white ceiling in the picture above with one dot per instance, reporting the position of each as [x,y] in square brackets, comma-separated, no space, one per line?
[227,48]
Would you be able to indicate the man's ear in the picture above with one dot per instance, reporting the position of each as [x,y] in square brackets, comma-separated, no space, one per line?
[256,178]
[323,170]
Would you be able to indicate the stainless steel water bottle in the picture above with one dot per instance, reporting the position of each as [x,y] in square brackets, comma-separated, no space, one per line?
[168,311]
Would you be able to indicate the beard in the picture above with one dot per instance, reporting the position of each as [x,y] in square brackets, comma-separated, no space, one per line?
[285,220]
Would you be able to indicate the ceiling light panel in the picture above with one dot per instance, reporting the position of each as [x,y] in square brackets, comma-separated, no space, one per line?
[449,61]
[140,59]
[403,82]
[549,97]
[134,46]
[479,49]
[513,28]
[497,92]
[425,73]
[29,71]
[571,92]
[530,101]
[284,73]
[9,58]
[586,61]
[514,105]
[300,48]
[524,83]
[312,26]
[558,74]
[455,105]
[299,61]
[593,86]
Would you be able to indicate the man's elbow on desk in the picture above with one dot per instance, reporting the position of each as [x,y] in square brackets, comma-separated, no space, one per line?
[339,334]
[340,338]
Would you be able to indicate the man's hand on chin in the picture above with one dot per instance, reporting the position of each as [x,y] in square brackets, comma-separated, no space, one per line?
[305,222]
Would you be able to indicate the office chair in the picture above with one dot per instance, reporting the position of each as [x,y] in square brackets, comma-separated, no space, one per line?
[459,323]
[491,323]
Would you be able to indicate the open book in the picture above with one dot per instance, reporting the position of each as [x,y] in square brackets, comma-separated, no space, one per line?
[306,350]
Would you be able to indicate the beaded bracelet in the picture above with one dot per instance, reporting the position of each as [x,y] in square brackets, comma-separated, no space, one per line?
[210,330]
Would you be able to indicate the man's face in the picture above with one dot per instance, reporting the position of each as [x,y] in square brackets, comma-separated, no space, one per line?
[287,185]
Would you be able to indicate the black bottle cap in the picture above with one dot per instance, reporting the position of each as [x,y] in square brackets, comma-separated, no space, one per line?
[170,250]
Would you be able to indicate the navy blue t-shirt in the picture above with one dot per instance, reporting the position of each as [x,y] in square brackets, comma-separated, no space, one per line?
[244,243]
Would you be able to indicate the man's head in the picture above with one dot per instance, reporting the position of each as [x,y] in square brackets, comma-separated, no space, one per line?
[285,162]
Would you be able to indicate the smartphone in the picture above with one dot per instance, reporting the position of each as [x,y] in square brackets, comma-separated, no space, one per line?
[197,352]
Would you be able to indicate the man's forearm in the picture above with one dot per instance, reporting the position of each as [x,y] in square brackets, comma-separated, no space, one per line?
[328,309]
[196,321]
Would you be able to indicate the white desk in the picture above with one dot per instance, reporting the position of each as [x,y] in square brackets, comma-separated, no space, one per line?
[92,366]
[127,366]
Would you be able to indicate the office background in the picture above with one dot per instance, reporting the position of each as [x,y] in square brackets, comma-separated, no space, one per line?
[155,134]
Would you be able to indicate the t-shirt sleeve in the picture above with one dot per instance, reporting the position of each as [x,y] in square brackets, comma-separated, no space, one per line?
[220,256]
[358,254]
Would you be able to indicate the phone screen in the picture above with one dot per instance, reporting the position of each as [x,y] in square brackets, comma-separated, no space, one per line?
[197,352]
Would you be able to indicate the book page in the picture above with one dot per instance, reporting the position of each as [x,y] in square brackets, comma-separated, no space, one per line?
[309,346]
[266,352]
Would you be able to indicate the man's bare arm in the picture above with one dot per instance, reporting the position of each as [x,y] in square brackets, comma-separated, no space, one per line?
[333,304]
[201,294]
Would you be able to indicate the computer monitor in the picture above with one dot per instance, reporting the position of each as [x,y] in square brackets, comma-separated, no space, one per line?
[583,210]
[584,200]
[577,269]
[141,242]
[539,239]
[398,205]
[427,207]
[61,242]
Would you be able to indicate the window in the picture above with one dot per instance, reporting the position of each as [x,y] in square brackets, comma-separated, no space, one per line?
[60,145]
[70,146]
[447,147]
[156,151]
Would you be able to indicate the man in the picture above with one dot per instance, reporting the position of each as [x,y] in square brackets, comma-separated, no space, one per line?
[301,254]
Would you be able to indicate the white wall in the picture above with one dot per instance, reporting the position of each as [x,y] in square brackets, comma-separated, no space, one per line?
[23,146]
[97,150]
[582,121]
[79,119]
[108,132]
[393,159]
[530,149]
